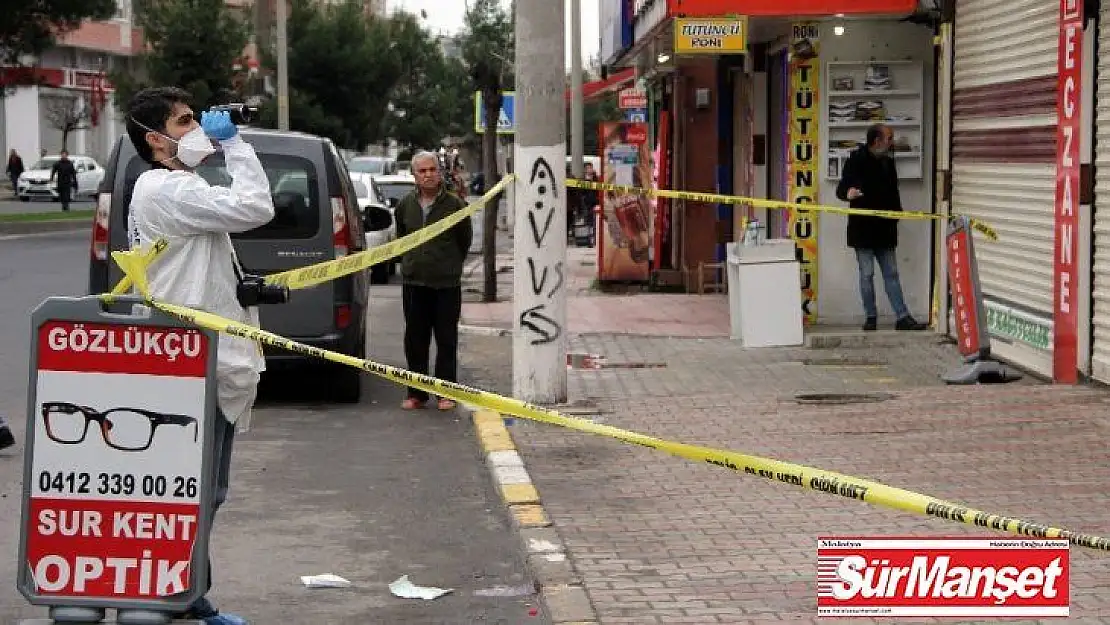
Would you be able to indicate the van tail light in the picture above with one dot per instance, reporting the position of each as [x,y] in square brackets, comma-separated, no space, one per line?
[341,230]
[342,316]
[99,246]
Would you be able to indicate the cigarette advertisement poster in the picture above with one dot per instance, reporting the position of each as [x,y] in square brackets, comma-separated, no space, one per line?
[625,235]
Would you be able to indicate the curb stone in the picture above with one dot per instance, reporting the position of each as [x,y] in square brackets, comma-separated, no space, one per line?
[559,585]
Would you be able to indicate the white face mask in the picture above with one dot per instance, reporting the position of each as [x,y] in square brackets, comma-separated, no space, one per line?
[193,147]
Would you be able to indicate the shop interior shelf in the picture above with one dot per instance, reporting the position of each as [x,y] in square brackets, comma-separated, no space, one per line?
[874,93]
[893,123]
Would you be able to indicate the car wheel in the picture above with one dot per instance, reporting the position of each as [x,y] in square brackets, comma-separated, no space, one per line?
[379,274]
[24,198]
[345,384]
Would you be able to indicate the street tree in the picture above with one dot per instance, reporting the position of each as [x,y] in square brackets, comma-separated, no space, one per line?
[192,44]
[66,115]
[432,100]
[342,67]
[27,29]
[488,49]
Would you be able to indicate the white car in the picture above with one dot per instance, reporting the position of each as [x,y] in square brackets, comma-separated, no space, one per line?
[35,182]
[395,186]
[370,198]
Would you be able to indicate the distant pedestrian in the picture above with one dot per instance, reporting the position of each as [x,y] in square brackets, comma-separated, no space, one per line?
[431,277]
[66,175]
[15,168]
[870,180]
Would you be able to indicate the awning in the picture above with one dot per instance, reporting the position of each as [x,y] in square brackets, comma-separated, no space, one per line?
[601,88]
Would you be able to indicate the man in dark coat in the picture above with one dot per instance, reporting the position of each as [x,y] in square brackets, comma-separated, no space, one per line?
[870,181]
[66,174]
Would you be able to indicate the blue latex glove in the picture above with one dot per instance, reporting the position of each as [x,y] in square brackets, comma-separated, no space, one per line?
[217,125]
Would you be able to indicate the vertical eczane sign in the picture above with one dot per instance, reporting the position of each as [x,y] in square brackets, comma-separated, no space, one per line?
[114,510]
[1065,317]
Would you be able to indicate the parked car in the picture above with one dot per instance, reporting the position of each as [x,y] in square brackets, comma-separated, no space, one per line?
[317,219]
[372,165]
[35,182]
[376,212]
[395,187]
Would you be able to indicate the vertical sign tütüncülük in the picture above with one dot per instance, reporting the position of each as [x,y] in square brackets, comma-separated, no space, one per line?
[116,460]
[1065,317]
[805,115]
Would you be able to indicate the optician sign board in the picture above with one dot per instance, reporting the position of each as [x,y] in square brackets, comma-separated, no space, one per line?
[116,476]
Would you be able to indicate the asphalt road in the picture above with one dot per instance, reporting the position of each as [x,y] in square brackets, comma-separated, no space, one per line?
[368,492]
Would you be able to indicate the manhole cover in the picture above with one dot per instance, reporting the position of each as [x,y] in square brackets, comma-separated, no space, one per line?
[841,398]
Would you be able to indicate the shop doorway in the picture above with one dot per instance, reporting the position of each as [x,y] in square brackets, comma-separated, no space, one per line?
[778,133]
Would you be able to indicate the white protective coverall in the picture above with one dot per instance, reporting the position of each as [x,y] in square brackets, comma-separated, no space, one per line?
[196,269]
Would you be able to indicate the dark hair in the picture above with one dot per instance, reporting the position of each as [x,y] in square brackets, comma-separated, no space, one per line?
[874,132]
[151,108]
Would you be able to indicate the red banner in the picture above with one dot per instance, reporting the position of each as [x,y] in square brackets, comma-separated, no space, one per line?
[1065,333]
[111,549]
[964,303]
[783,8]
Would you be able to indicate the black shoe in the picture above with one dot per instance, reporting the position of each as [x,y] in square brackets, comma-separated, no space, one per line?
[870,325]
[909,323]
[7,439]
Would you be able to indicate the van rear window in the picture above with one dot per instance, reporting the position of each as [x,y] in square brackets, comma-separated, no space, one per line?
[295,187]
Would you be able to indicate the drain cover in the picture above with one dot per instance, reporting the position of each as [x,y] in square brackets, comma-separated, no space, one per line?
[841,398]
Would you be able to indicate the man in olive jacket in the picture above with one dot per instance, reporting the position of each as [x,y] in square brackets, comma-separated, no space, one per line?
[870,180]
[431,277]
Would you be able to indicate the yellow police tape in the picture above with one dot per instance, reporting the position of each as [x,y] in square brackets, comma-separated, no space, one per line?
[134,264]
[716,198]
[312,275]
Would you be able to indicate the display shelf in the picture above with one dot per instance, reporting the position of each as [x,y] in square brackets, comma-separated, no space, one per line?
[893,123]
[866,93]
[859,94]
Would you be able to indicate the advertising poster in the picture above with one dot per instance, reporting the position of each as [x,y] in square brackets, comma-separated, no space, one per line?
[114,506]
[624,239]
[805,115]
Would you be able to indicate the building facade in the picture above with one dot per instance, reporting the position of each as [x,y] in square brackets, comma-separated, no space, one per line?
[1017,137]
[74,93]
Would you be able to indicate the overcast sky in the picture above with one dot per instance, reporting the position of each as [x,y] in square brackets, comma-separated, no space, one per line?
[447,15]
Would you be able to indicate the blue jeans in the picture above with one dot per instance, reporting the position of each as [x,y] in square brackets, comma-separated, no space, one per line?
[888,264]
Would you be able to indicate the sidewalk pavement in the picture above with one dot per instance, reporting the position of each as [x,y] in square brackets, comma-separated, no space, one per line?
[589,310]
[654,538]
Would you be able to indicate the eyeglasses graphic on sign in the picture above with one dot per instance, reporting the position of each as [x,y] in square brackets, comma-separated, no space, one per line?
[125,429]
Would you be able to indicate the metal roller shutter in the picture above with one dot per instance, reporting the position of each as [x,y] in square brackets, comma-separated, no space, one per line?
[1100,354]
[1003,170]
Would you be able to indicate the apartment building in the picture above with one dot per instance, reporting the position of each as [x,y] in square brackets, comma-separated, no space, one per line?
[74,85]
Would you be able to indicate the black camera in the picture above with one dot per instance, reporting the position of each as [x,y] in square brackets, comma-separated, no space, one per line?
[253,291]
[240,113]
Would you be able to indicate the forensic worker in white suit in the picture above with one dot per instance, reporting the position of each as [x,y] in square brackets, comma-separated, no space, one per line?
[199,269]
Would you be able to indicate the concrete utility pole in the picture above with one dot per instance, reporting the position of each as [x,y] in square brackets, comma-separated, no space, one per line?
[577,116]
[282,66]
[540,241]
